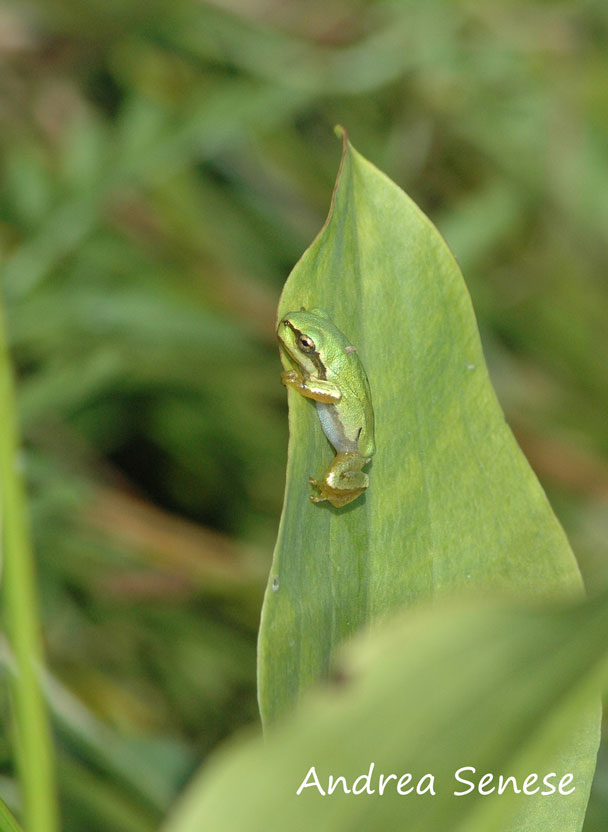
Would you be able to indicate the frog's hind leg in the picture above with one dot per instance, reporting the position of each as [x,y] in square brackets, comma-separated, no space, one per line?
[343,481]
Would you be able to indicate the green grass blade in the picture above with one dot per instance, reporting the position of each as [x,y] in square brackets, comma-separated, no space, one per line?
[452,502]
[20,613]
[7,821]
[507,690]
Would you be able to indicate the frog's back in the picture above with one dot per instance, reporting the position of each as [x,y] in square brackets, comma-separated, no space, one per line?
[356,410]
[367,442]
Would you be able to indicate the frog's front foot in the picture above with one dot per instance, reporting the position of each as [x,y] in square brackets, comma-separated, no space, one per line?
[290,378]
[343,482]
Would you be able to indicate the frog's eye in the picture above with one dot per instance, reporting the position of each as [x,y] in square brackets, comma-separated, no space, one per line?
[305,343]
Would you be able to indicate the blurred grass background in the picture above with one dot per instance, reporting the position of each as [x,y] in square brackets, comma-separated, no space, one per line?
[163,167]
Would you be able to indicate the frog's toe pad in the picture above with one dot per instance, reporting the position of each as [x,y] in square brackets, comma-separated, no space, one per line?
[317,498]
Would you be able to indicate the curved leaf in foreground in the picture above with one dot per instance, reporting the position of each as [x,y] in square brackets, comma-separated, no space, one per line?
[510,692]
[452,501]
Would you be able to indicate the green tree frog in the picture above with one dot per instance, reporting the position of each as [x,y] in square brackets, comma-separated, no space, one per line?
[325,367]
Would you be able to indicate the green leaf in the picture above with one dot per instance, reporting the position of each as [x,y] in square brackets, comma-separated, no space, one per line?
[452,502]
[509,691]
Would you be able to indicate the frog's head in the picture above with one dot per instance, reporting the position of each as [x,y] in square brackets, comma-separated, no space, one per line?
[306,339]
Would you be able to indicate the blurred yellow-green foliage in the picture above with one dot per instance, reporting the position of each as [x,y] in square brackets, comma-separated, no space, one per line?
[163,166]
